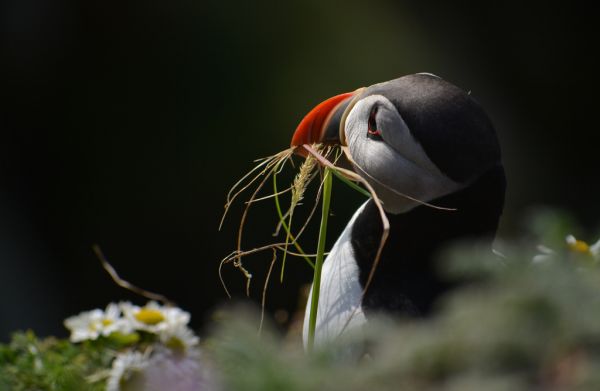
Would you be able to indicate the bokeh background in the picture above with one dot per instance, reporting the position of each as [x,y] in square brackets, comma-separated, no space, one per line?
[125,123]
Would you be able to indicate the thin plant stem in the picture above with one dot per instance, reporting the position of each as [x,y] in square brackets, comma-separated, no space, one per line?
[287,241]
[264,293]
[126,284]
[238,262]
[286,228]
[351,184]
[312,323]
[234,191]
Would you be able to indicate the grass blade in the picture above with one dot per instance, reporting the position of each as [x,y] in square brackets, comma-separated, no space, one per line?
[319,261]
[351,184]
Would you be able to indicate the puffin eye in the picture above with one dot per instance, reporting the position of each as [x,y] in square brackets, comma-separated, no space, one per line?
[373,133]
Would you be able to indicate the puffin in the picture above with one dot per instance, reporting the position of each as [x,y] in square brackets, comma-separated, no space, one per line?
[431,154]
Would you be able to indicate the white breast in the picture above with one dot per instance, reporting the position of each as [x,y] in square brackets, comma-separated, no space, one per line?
[340,295]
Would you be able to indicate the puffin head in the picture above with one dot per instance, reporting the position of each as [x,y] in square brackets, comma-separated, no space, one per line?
[417,135]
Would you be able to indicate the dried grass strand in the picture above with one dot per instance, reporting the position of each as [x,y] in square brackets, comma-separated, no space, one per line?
[238,263]
[269,169]
[264,292]
[270,195]
[312,211]
[126,284]
[316,203]
[286,214]
[268,163]
[300,183]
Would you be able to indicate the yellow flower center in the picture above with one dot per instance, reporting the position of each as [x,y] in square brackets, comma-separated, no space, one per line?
[107,322]
[579,246]
[149,316]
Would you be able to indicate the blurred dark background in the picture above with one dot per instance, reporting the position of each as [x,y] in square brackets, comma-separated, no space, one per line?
[125,123]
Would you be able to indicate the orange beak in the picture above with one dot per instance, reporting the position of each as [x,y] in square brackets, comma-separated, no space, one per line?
[321,124]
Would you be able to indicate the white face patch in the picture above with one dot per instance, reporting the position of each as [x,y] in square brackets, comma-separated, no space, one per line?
[397,162]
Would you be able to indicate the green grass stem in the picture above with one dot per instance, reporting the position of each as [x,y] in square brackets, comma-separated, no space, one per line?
[351,184]
[314,304]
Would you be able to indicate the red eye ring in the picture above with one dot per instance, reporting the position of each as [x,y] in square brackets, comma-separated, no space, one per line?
[372,132]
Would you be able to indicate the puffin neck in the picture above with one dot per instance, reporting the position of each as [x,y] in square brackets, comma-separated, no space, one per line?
[406,281]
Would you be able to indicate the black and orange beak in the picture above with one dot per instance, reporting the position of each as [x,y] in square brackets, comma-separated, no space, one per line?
[323,123]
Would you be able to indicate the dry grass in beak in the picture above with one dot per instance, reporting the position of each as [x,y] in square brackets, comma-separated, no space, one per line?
[264,169]
[267,165]
[270,167]
[267,168]
[301,181]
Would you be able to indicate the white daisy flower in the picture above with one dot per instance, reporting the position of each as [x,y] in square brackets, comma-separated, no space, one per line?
[582,247]
[94,323]
[155,318]
[578,246]
[125,368]
[573,244]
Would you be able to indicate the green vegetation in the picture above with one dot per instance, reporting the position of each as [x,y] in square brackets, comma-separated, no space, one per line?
[516,325]
[28,363]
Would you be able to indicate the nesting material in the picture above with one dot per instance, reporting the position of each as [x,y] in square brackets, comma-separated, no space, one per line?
[317,156]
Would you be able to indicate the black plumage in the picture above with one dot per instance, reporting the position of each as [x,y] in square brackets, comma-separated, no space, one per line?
[407,281]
